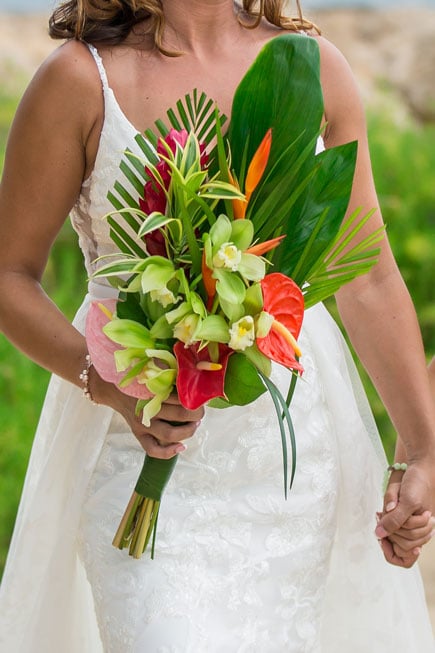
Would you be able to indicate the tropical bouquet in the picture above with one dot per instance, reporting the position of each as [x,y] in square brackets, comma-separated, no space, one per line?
[224,239]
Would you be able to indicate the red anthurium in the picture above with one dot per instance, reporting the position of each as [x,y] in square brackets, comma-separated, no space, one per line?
[199,379]
[282,299]
[102,349]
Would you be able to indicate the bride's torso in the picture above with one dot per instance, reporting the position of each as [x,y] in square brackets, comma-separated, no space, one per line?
[138,87]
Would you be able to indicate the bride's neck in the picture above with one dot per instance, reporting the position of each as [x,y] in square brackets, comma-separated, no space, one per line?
[201,27]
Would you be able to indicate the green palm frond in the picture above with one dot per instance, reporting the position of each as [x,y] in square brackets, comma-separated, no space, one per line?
[341,262]
[195,113]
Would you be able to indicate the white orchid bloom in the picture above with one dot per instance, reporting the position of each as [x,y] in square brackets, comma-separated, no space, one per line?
[228,256]
[163,296]
[186,329]
[242,333]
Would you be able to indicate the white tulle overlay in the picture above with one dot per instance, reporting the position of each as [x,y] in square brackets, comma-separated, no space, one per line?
[237,567]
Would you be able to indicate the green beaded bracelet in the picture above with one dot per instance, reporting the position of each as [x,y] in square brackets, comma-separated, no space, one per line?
[396,467]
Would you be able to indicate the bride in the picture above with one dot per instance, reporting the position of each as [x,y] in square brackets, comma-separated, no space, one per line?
[237,568]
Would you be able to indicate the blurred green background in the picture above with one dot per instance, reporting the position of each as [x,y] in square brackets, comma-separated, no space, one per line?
[404,164]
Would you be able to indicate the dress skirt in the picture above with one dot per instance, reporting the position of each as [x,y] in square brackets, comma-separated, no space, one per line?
[237,567]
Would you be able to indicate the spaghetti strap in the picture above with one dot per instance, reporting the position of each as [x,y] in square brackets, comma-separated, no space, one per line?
[112,107]
[98,60]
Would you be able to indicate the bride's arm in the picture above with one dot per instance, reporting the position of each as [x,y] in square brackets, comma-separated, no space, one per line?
[432,376]
[50,151]
[378,313]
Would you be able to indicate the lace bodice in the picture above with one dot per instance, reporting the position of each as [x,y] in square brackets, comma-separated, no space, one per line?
[87,216]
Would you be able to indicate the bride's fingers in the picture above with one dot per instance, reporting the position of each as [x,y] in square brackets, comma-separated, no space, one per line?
[415,534]
[425,520]
[403,553]
[408,545]
[173,411]
[167,433]
[156,449]
[392,556]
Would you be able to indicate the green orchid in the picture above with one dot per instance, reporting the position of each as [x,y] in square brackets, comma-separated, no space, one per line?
[159,376]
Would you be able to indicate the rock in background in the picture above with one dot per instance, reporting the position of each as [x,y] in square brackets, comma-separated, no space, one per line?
[392,54]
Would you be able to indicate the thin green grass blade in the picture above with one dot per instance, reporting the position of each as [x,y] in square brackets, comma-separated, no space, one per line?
[282,411]
[272,391]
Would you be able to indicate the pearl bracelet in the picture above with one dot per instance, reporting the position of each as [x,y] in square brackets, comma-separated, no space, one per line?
[84,378]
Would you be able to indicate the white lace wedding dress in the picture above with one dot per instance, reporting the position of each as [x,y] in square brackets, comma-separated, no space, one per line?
[237,568]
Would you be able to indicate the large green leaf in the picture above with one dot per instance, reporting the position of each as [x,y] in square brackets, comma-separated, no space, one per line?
[243,383]
[302,194]
[280,90]
[327,196]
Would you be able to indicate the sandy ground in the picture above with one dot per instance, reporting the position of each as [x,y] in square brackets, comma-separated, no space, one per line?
[379,46]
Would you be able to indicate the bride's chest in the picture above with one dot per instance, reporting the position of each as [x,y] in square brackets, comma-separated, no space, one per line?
[146,91]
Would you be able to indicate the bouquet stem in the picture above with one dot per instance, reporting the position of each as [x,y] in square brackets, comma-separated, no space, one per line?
[139,521]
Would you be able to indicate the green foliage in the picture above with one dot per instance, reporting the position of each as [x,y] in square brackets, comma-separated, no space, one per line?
[404,165]
[22,383]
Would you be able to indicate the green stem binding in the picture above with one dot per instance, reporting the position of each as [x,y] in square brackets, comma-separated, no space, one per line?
[139,521]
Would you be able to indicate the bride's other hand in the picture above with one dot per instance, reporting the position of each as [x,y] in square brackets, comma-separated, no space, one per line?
[404,547]
[406,523]
[432,376]
[164,437]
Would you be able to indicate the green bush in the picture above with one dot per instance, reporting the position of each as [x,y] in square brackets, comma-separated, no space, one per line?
[22,383]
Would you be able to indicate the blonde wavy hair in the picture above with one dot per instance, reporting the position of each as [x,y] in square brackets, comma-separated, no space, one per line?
[110,21]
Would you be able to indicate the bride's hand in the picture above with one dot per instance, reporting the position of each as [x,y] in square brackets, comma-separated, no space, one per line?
[406,523]
[167,431]
[404,547]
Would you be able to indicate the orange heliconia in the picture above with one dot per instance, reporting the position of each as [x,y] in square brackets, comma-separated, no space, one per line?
[261,248]
[255,172]
[209,282]
[239,206]
[258,165]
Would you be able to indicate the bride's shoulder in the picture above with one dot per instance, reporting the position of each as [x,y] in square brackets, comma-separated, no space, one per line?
[70,67]
[340,88]
[66,88]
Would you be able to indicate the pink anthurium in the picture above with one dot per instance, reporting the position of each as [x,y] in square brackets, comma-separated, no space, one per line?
[102,349]
[283,300]
[200,379]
